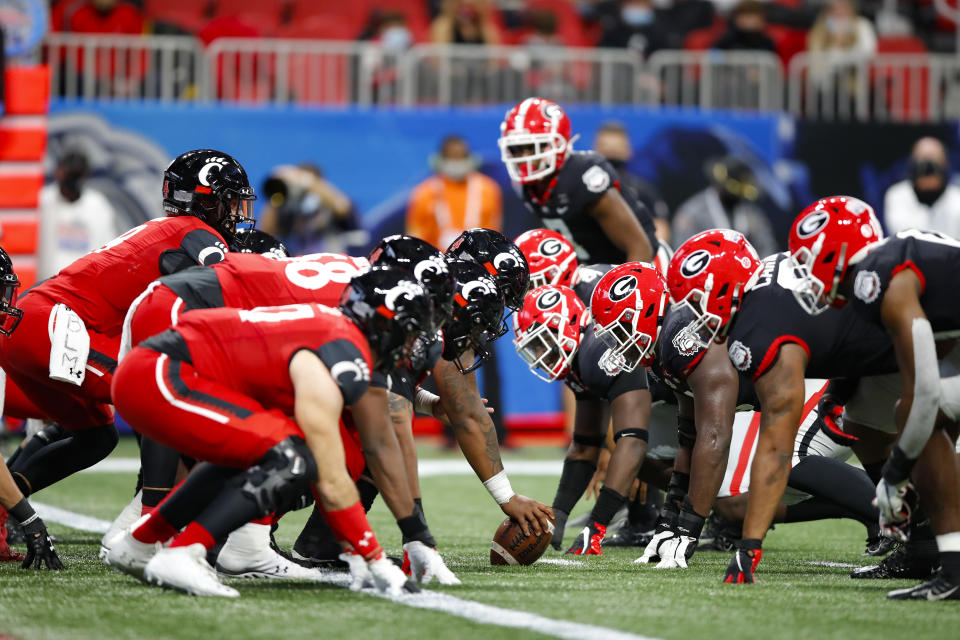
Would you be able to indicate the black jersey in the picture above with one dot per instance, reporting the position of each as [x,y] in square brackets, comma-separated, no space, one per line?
[405,379]
[839,343]
[678,356]
[587,378]
[588,275]
[199,287]
[934,257]
[565,207]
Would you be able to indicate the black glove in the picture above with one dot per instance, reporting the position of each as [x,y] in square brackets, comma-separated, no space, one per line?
[744,562]
[40,551]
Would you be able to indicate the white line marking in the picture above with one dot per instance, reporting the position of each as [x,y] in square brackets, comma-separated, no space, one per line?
[427,468]
[839,565]
[560,561]
[432,600]
[70,518]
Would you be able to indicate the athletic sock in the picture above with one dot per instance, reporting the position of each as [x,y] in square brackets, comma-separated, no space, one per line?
[229,510]
[194,534]
[201,487]
[154,528]
[158,465]
[316,540]
[608,503]
[574,479]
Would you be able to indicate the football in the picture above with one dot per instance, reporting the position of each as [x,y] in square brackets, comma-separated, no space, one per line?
[511,547]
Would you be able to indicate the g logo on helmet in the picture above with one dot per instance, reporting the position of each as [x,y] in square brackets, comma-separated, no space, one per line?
[550,247]
[623,287]
[813,224]
[204,175]
[551,111]
[548,300]
[695,263]
[431,268]
[402,290]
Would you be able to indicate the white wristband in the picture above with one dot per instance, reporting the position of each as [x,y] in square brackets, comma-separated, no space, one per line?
[424,401]
[499,487]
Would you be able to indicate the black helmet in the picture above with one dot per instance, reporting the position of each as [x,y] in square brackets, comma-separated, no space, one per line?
[392,310]
[256,241]
[477,315]
[500,257]
[425,262]
[212,186]
[10,315]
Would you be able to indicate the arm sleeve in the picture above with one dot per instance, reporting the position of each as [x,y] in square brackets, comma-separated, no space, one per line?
[347,366]
[199,247]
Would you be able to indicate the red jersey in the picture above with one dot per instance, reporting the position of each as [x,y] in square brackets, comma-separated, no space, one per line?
[249,350]
[100,286]
[247,280]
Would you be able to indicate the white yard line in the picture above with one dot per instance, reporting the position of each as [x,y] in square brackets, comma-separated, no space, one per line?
[427,468]
[432,600]
[838,565]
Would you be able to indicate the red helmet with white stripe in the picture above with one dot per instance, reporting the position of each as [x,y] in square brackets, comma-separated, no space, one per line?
[826,238]
[708,274]
[550,256]
[534,139]
[628,304]
[548,330]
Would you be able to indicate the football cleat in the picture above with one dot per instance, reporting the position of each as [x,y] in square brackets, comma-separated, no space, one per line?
[130,514]
[6,553]
[906,562]
[629,536]
[589,541]
[879,546]
[129,555]
[186,569]
[247,554]
[719,534]
[938,588]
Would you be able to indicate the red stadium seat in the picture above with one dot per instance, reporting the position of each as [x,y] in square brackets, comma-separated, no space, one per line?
[905,90]
[900,44]
[264,15]
[190,15]
[699,39]
[346,19]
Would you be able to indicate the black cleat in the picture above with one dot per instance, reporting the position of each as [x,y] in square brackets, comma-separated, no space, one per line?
[629,536]
[15,532]
[879,546]
[719,534]
[905,562]
[939,588]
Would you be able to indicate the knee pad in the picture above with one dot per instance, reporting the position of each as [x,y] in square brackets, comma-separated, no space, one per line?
[588,441]
[280,477]
[686,432]
[640,434]
[52,433]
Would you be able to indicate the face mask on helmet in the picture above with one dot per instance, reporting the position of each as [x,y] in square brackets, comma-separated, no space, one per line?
[501,259]
[534,140]
[10,315]
[425,263]
[477,318]
[548,331]
[628,304]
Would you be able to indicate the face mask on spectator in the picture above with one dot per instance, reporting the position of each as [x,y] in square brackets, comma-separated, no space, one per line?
[396,38]
[839,26]
[455,169]
[636,16]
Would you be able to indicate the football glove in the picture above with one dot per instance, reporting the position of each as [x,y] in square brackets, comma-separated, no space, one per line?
[744,562]
[894,501]
[360,576]
[40,551]
[589,541]
[388,578]
[675,552]
[426,564]
[665,530]
[831,412]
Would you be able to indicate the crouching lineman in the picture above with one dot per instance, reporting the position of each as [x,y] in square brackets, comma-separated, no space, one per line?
[905,285]
[258,394]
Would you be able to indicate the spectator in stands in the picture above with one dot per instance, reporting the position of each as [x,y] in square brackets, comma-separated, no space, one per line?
[840,36]
[465,22]
[455,198]
[635,27]
[926,199]
[746,30]
[543,29]
[678,18]
[97,16]
[390,29]
[308,213]
[727,202]
[74,218]
[613,143]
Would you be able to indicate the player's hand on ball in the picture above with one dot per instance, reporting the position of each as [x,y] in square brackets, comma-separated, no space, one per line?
[426,564]
[894,503]
[40,551]
[388,577]
[360,576]
[675,552]
[533,516]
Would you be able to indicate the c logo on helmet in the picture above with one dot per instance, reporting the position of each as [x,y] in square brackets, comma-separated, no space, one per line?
[623,287]
[505,261]
[813,224]
[552,111]
[431,268]
[548,300]
[550,247]
[485,287]
[695,263]
[204,175]
[405,290]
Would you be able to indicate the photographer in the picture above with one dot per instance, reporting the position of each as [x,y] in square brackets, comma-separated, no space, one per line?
[308,213]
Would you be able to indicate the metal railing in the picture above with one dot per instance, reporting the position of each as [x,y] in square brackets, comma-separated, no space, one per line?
[894,87]
[122,67]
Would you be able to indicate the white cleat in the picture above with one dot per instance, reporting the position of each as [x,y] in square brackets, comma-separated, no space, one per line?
[247,554]
[186,569]
[129,555]
[126,519]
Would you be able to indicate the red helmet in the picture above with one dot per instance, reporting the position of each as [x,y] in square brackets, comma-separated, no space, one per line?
[534,139]
[628,304]
[826,238]
[548,329]
[550,256]
[708,274]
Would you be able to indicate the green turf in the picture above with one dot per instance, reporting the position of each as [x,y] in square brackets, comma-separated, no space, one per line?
[792,600]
